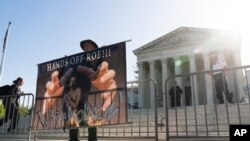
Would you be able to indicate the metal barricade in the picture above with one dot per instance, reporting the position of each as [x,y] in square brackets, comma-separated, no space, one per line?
[16,113]
[142,118]
[206,116]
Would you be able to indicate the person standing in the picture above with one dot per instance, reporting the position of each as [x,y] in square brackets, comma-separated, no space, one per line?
[95,73]
[86,45]
[221,84]
[175,95]
[11,105]
[89,45]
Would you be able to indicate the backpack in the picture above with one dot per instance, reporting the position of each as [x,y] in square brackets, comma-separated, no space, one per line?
[4,90]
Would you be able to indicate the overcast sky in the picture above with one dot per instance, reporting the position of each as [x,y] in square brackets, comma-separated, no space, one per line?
[48,29]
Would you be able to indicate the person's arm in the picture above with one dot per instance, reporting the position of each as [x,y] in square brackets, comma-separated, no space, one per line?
[78,98]
[102,79]
[13,89]
[210,73]
[69,101]
[171,91]
[222,63]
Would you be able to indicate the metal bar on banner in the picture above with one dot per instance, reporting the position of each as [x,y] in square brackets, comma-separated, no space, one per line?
[129,40]
[126,41]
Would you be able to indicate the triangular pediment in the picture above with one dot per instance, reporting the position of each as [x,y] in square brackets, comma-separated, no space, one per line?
[180,36]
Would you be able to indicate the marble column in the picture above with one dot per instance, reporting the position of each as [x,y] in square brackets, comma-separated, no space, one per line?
[178,71]
[141,93]
[193,79]
[165,75]
[239,75]
[208,79]
[152,87]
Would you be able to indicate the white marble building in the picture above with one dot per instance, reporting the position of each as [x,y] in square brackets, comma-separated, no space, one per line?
[183,51]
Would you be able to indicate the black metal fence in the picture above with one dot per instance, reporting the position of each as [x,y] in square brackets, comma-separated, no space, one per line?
[142,120]
[198,114]
[206,110]
[16,113]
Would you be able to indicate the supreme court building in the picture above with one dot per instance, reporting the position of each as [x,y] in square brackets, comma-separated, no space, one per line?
[183,51]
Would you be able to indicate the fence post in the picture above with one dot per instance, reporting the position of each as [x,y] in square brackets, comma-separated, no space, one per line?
[156,113]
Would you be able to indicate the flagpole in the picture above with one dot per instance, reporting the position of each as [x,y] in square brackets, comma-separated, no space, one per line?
[4,49]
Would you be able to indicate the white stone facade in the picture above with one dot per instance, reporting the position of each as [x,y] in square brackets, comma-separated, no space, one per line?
[183,51]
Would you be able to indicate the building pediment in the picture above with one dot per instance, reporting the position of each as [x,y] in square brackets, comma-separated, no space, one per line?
[178,37]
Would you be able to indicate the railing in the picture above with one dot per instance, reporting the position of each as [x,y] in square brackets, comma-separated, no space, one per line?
[206,116]
[142,122]
[16,113]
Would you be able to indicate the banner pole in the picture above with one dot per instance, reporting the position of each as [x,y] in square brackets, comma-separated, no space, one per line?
[4,49]
[126,41]
[129,40]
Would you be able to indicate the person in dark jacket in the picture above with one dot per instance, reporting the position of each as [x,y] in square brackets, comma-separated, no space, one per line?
[94,73]
[11,105]
[175,95]
[86,45]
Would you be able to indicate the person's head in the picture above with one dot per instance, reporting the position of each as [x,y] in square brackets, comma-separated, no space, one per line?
[18,81]
[88,45]
[73,83]
[214,58]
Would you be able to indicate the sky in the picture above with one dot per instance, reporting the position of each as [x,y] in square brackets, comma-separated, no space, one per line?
[45,30]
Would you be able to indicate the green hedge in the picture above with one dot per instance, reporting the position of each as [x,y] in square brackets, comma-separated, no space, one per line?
[22,111]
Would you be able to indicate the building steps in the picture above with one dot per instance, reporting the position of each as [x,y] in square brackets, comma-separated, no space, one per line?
[202,126]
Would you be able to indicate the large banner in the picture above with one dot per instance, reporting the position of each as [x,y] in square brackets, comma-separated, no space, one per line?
[85,89]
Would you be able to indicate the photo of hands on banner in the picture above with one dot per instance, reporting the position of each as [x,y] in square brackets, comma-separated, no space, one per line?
[85,89]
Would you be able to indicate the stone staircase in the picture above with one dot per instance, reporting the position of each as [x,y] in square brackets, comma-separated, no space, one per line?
[211,121]
[185,123]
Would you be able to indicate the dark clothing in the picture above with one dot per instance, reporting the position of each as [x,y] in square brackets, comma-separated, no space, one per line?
[11,106]
[85,84]
[92,134]
[4,90]
[73,134]
[221,87]
[187,95]
[8,90]
[175,95]
[12,115]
